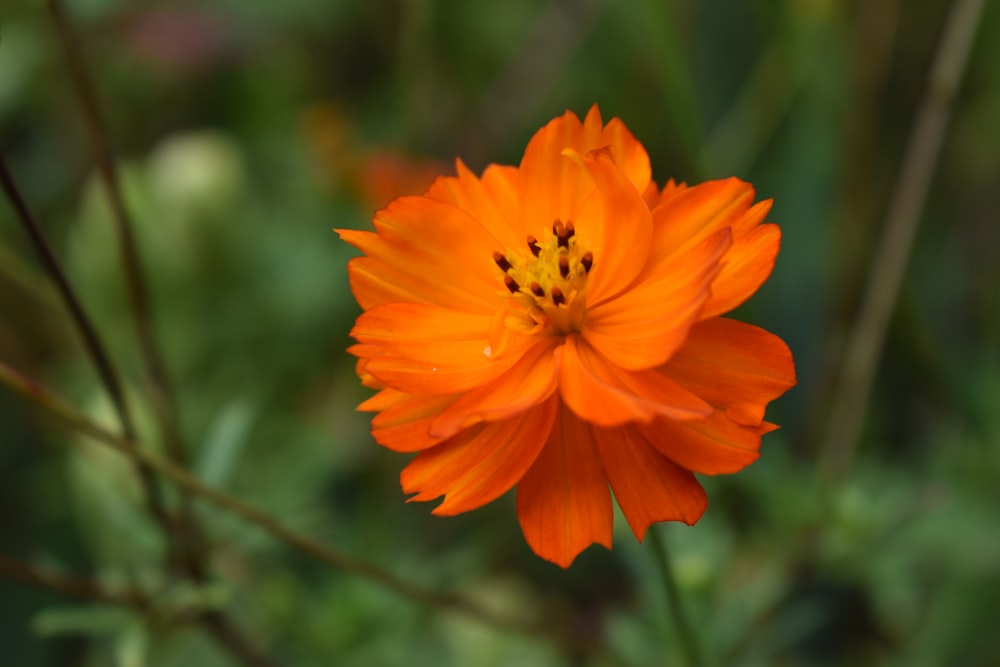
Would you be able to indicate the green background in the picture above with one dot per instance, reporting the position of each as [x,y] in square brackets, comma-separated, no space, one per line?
[244,132]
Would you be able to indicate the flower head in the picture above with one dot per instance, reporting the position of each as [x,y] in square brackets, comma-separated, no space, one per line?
[556,327]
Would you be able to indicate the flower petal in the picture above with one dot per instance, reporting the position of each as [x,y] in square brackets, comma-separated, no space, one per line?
[692,214]
[603,395]
[481,463]
[531,380]
[735,366]
[649,487]
[403,423]
[563,501]
[425,251]
[553,187]
[618,232]
[492,200]
[745,267]
[423,348]
[642,327]
[711,446]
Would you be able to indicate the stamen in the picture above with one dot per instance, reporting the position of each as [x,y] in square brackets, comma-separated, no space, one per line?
[536,289]
[587,260]
[562,232]
[533,245]
[564,266]
[502,262]
[557,296]
[511,284]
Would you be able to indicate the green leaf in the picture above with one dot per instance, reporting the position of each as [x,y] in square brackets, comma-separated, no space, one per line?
[91,620]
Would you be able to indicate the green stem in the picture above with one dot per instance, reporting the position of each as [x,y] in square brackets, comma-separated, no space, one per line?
[68,584]
[689,642]
[70,416]
[849,403]
[88,333]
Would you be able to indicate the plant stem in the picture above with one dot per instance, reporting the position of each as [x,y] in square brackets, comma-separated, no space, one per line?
[689,642]
[68,584]
[140,303]
[176,533]
[188,541]
[85,328]
[864,346]
[312,547]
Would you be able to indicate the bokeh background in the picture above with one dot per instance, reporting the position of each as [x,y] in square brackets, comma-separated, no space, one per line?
[246,130]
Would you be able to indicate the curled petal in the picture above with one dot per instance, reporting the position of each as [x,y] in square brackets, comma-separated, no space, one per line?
[711,446]
[403,422]
[642,327]
[628,153]
[481,463]
[735,366]
[552,187]
[563,502]
[648,486]
[745,267]
[689,215]
[531,380]
[618,232]
[604,395]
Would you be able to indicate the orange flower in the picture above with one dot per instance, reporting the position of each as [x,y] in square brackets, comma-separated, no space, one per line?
[555,326]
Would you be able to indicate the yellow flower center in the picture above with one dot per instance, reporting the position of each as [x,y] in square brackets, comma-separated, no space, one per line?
[548,283]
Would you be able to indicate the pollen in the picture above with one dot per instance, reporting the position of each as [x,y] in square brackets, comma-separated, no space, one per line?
[548,277]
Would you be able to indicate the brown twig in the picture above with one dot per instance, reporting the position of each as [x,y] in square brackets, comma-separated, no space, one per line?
[312,547]
[68,584]
[135,279]
[84,326]
[185,532]
[889,265]
[213,622]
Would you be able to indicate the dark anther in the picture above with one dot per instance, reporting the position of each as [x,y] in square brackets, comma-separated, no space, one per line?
[501,262]
[563,266]
[557,296]
[511,284]
[563,232]
[533,245]
[536,289]
[587,260]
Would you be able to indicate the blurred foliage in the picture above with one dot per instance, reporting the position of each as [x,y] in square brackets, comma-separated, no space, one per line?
[247,129]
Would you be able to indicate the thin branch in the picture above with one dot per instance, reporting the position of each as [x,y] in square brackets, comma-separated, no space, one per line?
[176,533]
[90,590]
[218,625]
[27,277]
[889,265]
[187,535]
[135,279]
[312,547]
[68,584]
[85,328]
